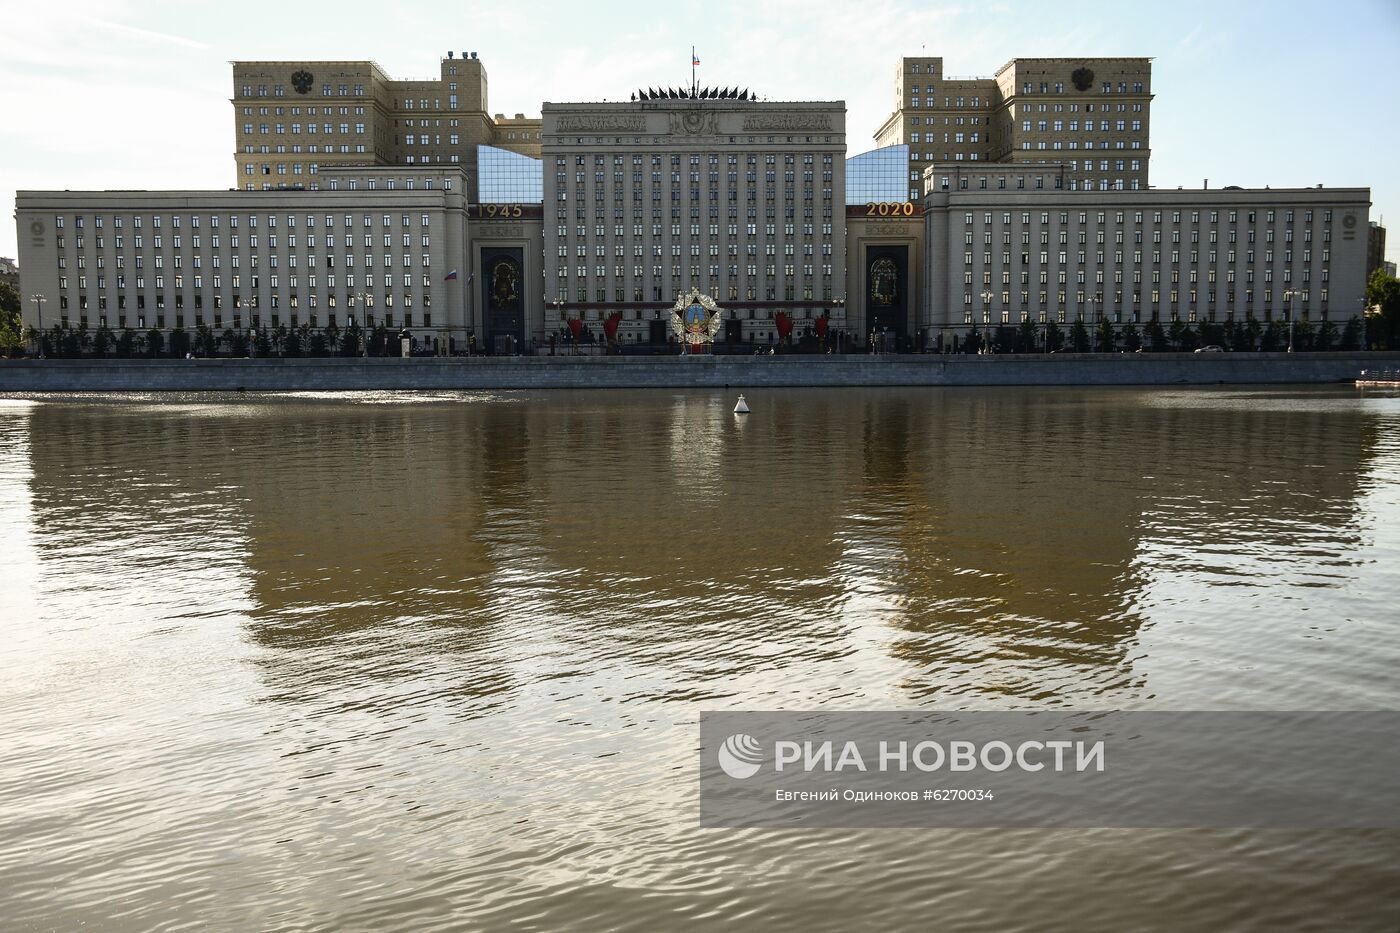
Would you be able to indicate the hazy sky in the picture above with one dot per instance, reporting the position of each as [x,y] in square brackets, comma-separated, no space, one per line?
[125,94]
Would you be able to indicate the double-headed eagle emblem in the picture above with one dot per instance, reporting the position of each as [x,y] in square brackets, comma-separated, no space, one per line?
[695,318]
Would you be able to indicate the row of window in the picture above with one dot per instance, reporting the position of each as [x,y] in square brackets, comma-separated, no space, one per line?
[255,320]
[250,221]
[235,281]
[1212,259]
[1119,217]
[619,293]
[309,111]
[769,229]
[1097,312]
[751,270]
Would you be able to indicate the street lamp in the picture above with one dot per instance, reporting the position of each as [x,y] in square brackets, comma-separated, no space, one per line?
[1090,301]
[39,311]
[838,304]
[1289,295]
[986,321]
[364,298]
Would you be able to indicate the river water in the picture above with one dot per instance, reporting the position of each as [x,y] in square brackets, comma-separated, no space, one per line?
[435,660]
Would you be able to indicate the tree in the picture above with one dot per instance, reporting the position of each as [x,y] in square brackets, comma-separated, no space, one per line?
[126,344]
[1253,333]
[294,342]
[1190,339]
[1351,334]
[1383,311]
[236,341]
[1302,336]
[1105,337]
[1004,340]
[1175,333]
[1273,338]
[155,341]
[11,321]
[1054,337]
[279,339]
[316,346]
[179,342]
[350,340]
[1132,340]
[1326,337]
[1079,337]
[1025,336]
[205,343]
[262,343]
[1156,337]
[379,341]
[101,341]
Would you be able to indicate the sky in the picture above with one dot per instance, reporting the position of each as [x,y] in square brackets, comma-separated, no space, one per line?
[124,94]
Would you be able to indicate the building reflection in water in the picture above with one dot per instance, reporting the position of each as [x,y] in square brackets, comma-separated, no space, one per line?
[954,546]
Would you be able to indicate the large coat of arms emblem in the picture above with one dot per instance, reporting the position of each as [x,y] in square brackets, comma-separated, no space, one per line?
[695,319]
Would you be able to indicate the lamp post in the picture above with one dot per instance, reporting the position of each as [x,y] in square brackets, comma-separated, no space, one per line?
[1289,295]
[39,311]
[1090,302]
[363,298]
[840,303]
[986,321]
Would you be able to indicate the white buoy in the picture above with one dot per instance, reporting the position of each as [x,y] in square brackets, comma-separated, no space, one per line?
[742,408]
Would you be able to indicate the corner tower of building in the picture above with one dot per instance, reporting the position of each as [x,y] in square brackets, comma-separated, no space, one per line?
[294,118]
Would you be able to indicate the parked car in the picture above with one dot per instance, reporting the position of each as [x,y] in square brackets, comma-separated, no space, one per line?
[1213,348]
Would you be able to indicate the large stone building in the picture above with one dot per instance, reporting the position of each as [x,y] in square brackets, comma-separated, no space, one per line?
[741,199]
[374,244]
[998,256]
[294,119]
[510,233]
[1090,115]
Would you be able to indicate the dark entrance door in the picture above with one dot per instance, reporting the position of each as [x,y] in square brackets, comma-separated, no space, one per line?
[657,334]
[733,331]
[887,291]
[503,298]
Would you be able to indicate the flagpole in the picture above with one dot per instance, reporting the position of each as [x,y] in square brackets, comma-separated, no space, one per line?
[693,85]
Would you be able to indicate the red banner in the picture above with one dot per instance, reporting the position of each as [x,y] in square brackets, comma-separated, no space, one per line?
[610,324]
[784,322]
[575,328]
[821,327]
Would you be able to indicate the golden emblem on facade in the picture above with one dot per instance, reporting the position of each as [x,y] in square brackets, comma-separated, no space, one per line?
[695,319]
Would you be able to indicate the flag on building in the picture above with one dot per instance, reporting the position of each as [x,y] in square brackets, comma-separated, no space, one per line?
[451,276]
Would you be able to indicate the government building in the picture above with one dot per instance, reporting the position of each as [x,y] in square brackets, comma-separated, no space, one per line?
[1015,201]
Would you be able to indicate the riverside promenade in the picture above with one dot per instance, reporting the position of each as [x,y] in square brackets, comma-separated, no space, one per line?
[621,372]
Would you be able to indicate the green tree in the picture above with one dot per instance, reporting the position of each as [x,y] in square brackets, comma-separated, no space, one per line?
[1190,339]
[11,321]
[1175,333]
[350,340]
[1079,337]
[126,344]
[1302,336]
[1326,337]
[1132,340]
[101,341]
[316,345]
[1156,337]
[279,339]
[379,341]
[1105,337]
[262,344]
[1273,339]
[1351,334]
[972,342]
[1054,337]
[1383,311]
[1025,336]
[179,342]
[205,343]
[236,341]
[155,342]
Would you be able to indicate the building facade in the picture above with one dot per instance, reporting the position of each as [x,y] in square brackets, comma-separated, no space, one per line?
[1016,199]
[377,245]
[294,119]
[998,257]
[741,199]
[1090,115]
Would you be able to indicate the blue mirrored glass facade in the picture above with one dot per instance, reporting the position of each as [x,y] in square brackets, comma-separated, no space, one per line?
[879,175]
[505,177]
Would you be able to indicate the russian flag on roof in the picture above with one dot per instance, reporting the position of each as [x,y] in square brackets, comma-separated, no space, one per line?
[450,276]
